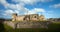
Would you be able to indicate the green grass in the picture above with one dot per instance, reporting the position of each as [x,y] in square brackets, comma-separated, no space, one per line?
[56,22]
[53,27]
[28,30]
[10,29]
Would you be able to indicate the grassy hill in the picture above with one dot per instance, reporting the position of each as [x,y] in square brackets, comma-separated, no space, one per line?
[53,27]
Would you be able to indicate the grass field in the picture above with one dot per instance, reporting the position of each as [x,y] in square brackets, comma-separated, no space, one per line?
[54,27]
[10,29]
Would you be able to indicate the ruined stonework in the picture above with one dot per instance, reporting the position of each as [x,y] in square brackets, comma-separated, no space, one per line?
[27,21]
[31,17]
[27,24]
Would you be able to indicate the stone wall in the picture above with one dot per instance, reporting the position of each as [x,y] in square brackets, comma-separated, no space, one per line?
[9,23]
[27,24]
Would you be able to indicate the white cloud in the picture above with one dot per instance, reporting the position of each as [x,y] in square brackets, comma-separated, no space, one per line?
[20,6]
[38,10]
[30,12]
[12,6]
[26,1]
[55,6]
[30,1]
[4,2]
[27,11]
[10,12]
[35,11]
[16,7]
[16,11]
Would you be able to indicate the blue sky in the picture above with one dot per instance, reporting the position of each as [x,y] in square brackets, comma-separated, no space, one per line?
[49,8]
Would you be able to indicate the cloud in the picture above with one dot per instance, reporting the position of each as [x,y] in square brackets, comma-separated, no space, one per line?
[38,10]
[26,1]
[25,12]
[30,12]
[15,7]
[12,6]
[4,2]
[55,6]
[20,6]
[35,11]
[30,1]
[10,12]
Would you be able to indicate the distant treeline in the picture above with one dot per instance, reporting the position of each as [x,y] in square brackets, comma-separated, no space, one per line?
[54,19]
[2,19]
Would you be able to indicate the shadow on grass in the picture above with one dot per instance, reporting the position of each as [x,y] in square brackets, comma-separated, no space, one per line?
[54,27]
[2,29]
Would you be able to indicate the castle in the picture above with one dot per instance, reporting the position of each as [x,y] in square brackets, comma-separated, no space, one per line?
[27,21]
[30,17]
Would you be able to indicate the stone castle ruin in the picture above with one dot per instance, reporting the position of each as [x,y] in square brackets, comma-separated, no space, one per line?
[31,17]
[27,21]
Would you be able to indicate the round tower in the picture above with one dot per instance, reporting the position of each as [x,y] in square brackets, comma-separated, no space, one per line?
[14,15]
[41,18]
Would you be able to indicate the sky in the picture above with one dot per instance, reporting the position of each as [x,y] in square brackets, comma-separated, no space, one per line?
[48,8]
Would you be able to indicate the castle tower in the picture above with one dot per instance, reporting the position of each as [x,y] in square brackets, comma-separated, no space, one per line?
[41,18]
[14,15]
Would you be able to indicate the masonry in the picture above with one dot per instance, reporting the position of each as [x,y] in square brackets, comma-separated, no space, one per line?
[27,21]
[30,17]
[27,24]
